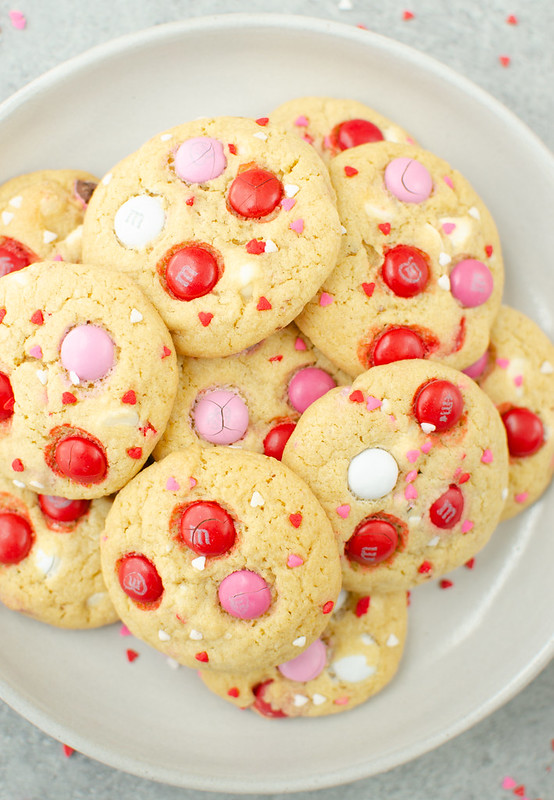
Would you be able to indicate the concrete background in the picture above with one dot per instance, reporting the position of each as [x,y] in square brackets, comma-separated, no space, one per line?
[517,741]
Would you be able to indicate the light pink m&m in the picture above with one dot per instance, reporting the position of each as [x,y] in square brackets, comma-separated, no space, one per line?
[471,282]
[244,594]
[308,665]
[200,159]
[221,417]
[88,351]
[476,369]
[408,180]
[307,386]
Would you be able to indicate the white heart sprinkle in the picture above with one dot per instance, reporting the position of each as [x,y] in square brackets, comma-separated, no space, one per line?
[434,541]
[300,641]
[270,246]
[163,636]
[444,282]
[343,229]
[300,700]
[19,484]
[74,378]
[352,668]
[547,368]
[428,427]
[393,640]
[474,212]
[37,484]
[7,217]
[172,663]
[135,315]
[444,259]
[256,500]
[385,406]
[42,375]
[505,494]
[291,189]
[261,135]
[16,201]
[367,638]
[49,236]
[196,635]
[95,599]
[199,563]
[166,136]
[121,417]
[318,699]
[414,520]
[107,178]
[341,600]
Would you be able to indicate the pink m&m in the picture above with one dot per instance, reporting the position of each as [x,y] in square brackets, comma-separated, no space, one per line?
[244,594]
[200,159]
[221,417]
[408,180]
[308,665]
[476,369]
[307,386]
[471,282]
[88,351]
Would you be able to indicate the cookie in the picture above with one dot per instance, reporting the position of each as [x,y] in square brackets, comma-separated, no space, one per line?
[221,558]
[87,379]
[251,400]
[50,558]
[333,125]
[228,225]
[41,217]
[517,373]
[410,464]
[420,272]
[356,656]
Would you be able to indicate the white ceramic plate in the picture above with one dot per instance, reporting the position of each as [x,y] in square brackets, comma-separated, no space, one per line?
[470,648]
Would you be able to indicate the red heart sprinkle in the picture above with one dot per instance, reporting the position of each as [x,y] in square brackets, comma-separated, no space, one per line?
[132,655]
[357,396]
[67,750]
[189,201]
[350,172]
[384,227]
[425,567]
[129,397]
[328,607]
[233,692]
[262,121]
[255,247]
[464,477]
[232,149]
[68,398]
[520,790]
[148,427]
[205,318]
[276,358]
[408,15]
[263,304]
[504,60]
[2,314]
[203,656]
[37,318]
[368,288]
[295,520]
[362,606]
[445,584]
[488,250]
[134,452]
[512,19]
[470,564]
[166,352]
[17,465]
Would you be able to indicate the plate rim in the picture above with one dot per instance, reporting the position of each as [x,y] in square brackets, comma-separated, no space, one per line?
[307,24]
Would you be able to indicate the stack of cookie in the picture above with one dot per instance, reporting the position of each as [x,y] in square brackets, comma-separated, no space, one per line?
[288,315]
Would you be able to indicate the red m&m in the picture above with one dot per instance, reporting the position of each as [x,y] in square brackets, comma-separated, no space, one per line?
[438,404]
[16,538]
[447,510]
[276,439]
[14,256]
[139,578]
[207,528]
[354,132]
[524,430]
[405,270]
[255,193]
[374,540]
[7,399]
[397,344]
[262,706]
[192,271]
[80,460]
[61,509]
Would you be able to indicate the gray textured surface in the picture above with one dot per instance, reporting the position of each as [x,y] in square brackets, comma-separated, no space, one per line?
[468,36]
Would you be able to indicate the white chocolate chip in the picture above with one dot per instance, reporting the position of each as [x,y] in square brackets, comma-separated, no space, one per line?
[166,136]
[37,485]
[428,427]
[300,641]
[256,500]
[16,201]
[434,541]
[341,600]
[7,217]
[163,636]
[49,236]
[199,563]
[121,417]
[367,638]
[135,316]
[352,668]
[95,599]
[393,640]
[107,178]
[196,635]
[505,494]
[46,563]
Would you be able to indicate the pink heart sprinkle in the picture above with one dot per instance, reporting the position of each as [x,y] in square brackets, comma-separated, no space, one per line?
[124,631]
[412,456]
[448,227]
[411,476]
[297,226]
[172,485]
[410,492]
[518,380]
[508,783]
[328,142]
[35,352]
[57,257]
[521,497]
[502,362]
[18,20]
[467,525]
[192,482]
[487,456]
[294,561]
[300,344]
[343,511]
[288,203]
[341,701]
[448,180]
[373,403]
[301,121]
[326,299]
[426,447]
